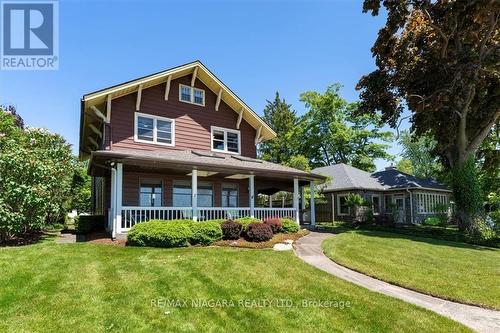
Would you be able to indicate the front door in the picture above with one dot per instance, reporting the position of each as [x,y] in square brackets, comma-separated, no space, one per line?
[399,213]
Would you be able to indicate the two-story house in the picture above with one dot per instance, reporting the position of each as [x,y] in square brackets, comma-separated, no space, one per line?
[180,144]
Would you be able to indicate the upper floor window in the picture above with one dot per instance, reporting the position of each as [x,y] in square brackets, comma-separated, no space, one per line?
[225,140]
[154,129]
[191,95]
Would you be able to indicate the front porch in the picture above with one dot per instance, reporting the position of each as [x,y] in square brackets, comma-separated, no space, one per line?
[142,190]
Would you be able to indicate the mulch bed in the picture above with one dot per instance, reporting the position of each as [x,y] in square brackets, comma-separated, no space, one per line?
[27,239]
[278,238]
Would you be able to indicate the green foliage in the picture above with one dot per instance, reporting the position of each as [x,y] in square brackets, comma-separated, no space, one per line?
[157,233]
[245,221]
[80,188]
[467,194]
[333,132]
[205,233]
[405,166]
[259,232]
[85,224]
[355,200]
[36,168]
[432,221]
[418,152]
[299,162]
[289,226]
[480,232]
[282,119]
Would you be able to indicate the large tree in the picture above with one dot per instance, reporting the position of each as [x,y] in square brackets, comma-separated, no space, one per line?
[418,151]
[282,119]
[333,132]
[440,60]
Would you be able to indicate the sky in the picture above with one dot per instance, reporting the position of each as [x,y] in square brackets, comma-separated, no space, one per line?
[254,47]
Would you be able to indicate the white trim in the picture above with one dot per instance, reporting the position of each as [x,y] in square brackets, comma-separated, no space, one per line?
[426,202]
[155,118]
[296,199]
[225,130]
[191,94]
[251,185]
[339,208]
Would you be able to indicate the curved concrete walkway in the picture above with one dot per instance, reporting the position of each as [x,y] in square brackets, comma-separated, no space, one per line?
[308,248]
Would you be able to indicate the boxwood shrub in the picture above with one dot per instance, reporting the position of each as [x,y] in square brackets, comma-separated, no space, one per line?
[205,233]
[274,223]
[289,226]
[259,232]
[246,221]
[85,224]
[158,233]
[231,229]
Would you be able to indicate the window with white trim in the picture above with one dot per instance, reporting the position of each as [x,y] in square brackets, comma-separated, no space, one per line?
[342,207]
[376,203]
[229,195]
[154,129]
[428,202]
[225,140]
[191,95]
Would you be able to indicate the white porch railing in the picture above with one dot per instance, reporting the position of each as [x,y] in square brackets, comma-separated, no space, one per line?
[132,215]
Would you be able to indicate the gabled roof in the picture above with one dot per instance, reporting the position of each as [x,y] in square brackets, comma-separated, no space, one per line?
[99,98]
[346,177]
[394,179]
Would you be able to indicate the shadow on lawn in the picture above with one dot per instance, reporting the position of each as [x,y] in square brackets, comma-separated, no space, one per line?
[396,233]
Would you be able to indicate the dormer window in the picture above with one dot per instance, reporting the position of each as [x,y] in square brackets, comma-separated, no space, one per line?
[225,140]
[191,95]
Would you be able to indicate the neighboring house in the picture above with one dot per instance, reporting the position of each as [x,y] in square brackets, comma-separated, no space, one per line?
[407,198]
[179,144]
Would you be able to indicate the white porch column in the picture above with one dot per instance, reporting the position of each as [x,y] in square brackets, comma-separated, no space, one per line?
[194,194]
[312,205]
[112,210]
[251,184]
[119,196]
[270,201]
[302,198]
[296,199]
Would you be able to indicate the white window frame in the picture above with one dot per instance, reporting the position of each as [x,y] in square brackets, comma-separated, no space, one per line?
[225,130]
[426,202]
[379,196]
[339,210]
[191,90]
[155,119]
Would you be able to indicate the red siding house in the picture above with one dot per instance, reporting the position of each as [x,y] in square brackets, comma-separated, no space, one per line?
[180,144]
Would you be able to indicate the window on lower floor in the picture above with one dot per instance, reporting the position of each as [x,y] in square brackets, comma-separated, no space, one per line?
[150,194]
[181,194]
[376,204]
[431,203]
[229,195]
[343,208]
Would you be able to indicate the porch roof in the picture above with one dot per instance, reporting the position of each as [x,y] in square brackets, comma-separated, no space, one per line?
[188,159]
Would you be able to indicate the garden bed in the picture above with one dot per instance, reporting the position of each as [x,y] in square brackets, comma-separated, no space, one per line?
[278,238]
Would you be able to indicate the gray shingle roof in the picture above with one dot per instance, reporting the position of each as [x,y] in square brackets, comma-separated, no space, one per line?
[397,179]
[204,159]
[346,177]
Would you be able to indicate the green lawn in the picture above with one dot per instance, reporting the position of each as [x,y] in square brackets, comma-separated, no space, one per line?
[455,271]
[96,288]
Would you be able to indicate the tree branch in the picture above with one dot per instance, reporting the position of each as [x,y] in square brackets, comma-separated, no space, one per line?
[482,134]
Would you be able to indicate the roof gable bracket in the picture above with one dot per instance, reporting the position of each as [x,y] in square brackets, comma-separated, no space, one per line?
[195,72]
[257,135]
[139,96]
[98,113]
[219,96]
[95,130]
[167,87]
[240,117]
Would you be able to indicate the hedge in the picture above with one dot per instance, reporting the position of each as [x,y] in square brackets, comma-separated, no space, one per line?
[85,224]
[289,226]
[259,232]
[205,233]
[157,233]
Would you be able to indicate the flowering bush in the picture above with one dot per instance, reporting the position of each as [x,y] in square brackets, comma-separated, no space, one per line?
[274,223]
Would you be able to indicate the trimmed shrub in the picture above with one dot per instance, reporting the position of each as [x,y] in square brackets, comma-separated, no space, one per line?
[205,233]
[158,233]
[85,224]
[435,221]
[231,229]
[289,226]
[245,222]
[259,232]
[274,223]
